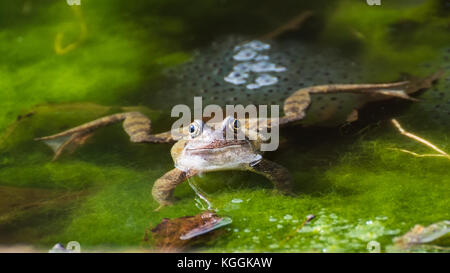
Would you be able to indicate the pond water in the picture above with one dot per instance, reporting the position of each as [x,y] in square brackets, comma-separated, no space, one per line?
[64,65]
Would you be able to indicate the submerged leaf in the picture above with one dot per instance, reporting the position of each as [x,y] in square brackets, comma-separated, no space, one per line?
[179,233]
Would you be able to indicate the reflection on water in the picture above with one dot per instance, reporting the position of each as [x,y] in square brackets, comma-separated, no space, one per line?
[201,200]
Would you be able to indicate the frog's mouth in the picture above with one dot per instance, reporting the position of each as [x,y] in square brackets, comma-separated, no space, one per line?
[219,145]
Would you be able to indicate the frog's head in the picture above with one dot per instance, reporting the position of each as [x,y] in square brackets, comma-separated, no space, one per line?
[208,148]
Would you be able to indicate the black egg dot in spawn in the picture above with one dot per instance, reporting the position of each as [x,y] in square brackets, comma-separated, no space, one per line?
[216,84]
[333,98]
[270,90]
[437,106]
[289,88]
[319,97]
[234,99]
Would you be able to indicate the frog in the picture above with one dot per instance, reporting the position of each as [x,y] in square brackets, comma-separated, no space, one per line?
[206,147]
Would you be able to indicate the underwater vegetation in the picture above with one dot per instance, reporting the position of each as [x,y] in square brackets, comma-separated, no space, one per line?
[150,55]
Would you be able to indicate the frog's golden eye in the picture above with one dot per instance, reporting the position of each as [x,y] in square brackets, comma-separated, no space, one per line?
[195,128]
[235,125]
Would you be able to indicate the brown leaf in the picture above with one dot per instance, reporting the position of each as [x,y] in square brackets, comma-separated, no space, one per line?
[173,235]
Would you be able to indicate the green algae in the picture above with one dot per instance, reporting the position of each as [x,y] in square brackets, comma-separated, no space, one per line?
[358,188]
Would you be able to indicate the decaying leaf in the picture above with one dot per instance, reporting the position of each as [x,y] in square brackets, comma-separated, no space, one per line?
[172,235]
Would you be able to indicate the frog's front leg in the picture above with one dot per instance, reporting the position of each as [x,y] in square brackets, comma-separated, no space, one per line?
[276,173]
[164,187]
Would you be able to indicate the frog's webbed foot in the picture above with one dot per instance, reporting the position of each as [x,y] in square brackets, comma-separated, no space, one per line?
[164,187]
[295,106]
[137,126]
[69,142]
[276,173]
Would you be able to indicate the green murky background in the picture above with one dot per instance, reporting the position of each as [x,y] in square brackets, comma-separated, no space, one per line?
[359,189]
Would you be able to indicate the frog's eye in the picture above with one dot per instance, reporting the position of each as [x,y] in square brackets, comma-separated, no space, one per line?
[235,125]
[195,128]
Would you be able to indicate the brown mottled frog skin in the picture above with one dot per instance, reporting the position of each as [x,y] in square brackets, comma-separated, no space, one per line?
[204,149]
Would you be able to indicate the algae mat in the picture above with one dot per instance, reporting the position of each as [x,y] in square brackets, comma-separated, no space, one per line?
[62,66]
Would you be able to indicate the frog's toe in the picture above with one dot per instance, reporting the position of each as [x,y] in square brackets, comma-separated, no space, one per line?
[158,208]
[165,204]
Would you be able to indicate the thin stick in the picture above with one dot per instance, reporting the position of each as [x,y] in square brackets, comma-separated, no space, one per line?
[416,154]
[308,219]
[419,139]
[293,24]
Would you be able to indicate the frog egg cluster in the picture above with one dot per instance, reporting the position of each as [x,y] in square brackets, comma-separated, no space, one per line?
[273,73]
[252,62]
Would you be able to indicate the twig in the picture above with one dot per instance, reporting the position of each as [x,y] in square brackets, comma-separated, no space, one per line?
[418,139]
[308,219]
[416,154]
[293,24]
